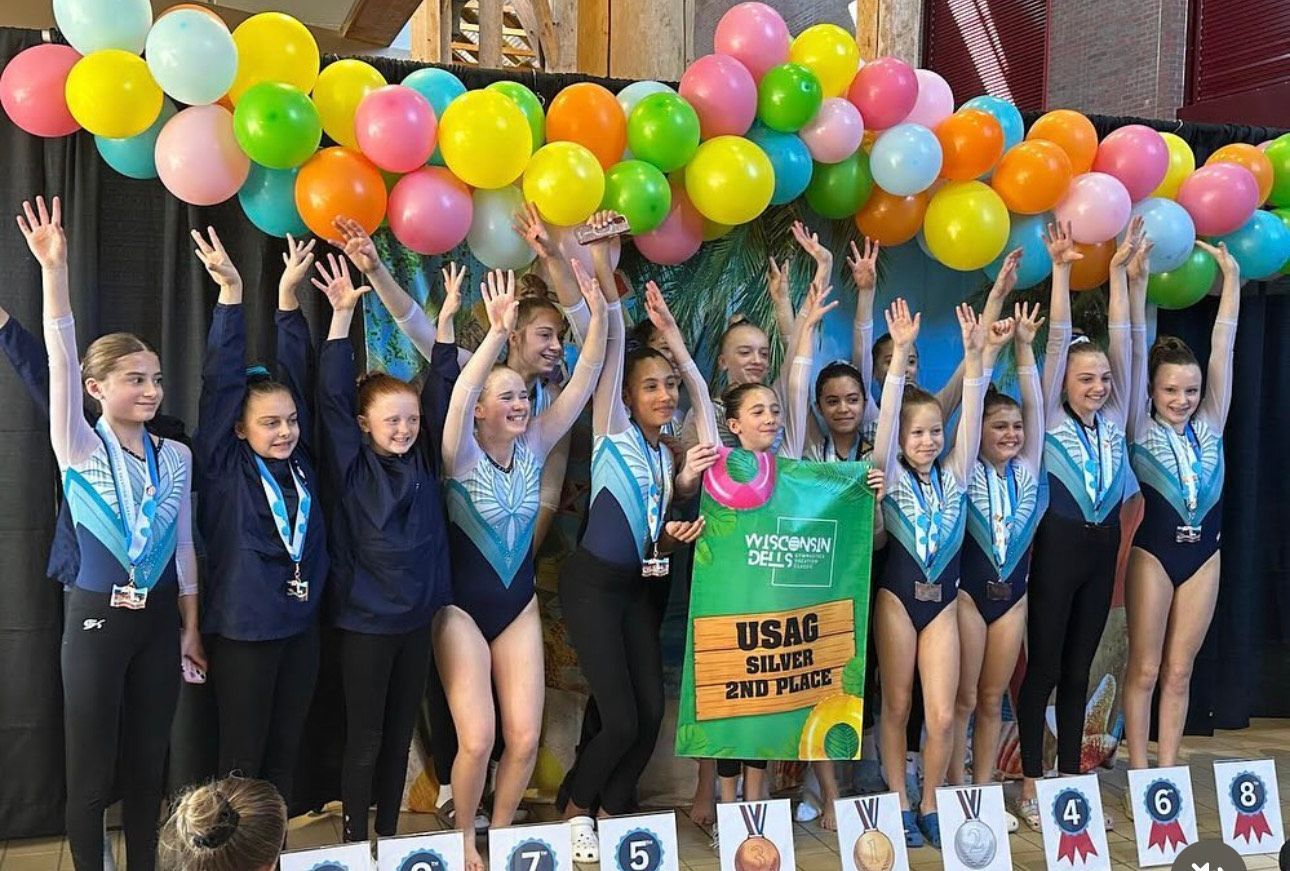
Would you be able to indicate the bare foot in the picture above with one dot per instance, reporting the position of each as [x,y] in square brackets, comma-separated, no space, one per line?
[474,862]
[704,811]
[828,818]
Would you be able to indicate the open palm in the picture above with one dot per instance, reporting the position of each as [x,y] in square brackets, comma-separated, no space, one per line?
[43,231]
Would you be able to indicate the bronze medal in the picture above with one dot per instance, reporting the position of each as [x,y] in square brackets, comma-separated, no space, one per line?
[925,592]
[757,852]
[998,591]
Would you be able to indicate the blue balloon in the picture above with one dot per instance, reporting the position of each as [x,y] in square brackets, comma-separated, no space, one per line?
[269,199]
[1005,113]
[440,88]
[1027,233]
[1170,230]
[789,157]
[134,156]
[905,159]
[1261,246]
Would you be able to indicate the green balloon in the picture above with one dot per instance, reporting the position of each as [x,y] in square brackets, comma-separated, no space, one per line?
[277,125]
[529,104]
[639,191]
[838,190]
[1279,153]
[663,129]
[788,97]
[1186,285]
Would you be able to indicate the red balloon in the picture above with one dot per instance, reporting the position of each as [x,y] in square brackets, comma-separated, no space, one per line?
[32,90]
[339,182]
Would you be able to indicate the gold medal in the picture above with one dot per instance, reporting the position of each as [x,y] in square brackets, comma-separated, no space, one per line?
[873,852]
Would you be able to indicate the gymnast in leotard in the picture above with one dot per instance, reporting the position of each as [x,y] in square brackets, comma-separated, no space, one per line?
[1176,449]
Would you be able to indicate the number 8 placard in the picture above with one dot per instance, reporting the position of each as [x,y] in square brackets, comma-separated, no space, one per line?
[1249,806]
[643,842]
[531,848]
[1164,814]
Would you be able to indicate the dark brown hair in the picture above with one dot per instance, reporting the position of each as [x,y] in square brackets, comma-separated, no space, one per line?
[260,383]
[1169,350]
[994,400]
[838,369]
[734,398]
[639,355]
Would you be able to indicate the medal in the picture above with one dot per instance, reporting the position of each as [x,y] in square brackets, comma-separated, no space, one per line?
[757,852]
[657,497]
[926,592]
[873,850]
[1187,462]
[137,530]
[298,587]
[1002,499]
[998,591]
[293,539]
[974,842]
[1097,458]
[1187,534]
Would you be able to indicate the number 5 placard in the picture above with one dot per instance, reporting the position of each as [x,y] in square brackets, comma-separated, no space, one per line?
[1164,815]
[531,848]
[643,842]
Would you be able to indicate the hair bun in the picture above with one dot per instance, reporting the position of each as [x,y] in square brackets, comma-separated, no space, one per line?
[736,319]
[532,286]
[257,373]
[222,829]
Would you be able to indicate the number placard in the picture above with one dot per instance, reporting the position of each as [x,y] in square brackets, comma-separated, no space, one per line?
[974,836]
[1070,811]
[1249,806]
[870,833]
[1164,813]
[439,851]
[546,847]
[640,842]
[342,857]
[755,835]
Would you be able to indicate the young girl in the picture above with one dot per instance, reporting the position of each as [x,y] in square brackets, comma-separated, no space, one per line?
[234,824]
[1177,453]
[493,450]
[124,640]
[262,519]
[924,517]
[381,445]
[1086,397]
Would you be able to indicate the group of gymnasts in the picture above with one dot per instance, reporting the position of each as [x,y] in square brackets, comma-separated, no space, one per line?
[406,515]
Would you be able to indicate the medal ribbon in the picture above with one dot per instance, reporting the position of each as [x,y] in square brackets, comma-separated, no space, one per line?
[970,801]
[1249,826]
[831,452]
[867,810]
[1002,494]
[136,520]
[292,539]
[1186,453]
[1096,463]
[659,494]
[929,499]
[754,819]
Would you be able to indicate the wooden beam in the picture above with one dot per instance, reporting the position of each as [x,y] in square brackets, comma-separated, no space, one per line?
[490,33]
[431,32]
[647,40]
[379,21]
[867,12]
[528,17]
[591,18]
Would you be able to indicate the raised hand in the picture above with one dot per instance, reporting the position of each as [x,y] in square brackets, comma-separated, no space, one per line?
[810,243]
[1226,262]
[600,247]
[971,328]
[1140,263]
[815,307]
[453,277]
[43,230]
[777,280]
[864,265]
[357,245]
[1006,280]
[1060,244]
[529,227]
[901,326]
[297,260]
[659,314]
[500,303]
[336,284]
[999,334]
[1028,322]
[590,288]
[216,260]
[1132,241]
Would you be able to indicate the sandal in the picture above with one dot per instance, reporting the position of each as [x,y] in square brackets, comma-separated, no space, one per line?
[1028,810]
[1010,822]
[586,846]
[913,837]
[931,827]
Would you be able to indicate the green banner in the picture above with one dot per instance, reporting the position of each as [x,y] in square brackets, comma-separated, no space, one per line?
[779,611]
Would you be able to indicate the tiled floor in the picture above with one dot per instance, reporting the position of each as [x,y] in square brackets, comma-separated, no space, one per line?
[818,850]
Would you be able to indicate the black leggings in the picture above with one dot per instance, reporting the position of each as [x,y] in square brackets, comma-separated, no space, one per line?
[734,767]
[1071,583]
[120,686]
[612,624]
[263,689]
[384,678]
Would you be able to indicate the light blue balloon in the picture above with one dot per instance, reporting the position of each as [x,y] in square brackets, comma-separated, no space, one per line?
[192,57]
[135,155]
[921,238]
[905,159]
[1005,113]
[1261,246]
[789,157]
[629,96]
[93,25]
[1027,233]
[269,199]
[440,87]
[1170,230]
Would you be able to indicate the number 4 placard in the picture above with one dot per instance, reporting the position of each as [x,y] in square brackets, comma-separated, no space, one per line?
[1070,809]
[643,842]
[531,848]
[441,851]
[346,857]
[1249,806]
[1164,815]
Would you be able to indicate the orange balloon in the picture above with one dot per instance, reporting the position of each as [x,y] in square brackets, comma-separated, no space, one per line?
[589,115]
[1032,177]
[1073,132]
[889,219]
[1248,156]
[1095,268]
[971,142]
[200,7]
[338,182]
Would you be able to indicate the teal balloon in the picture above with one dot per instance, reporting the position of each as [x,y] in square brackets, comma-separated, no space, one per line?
[788,96]
[663,130]
[1261,246]
[1008,116]
[1186,285]
[277,125]
[440,88]
[134,157]
[789,157]
[639,192]
[838,190]
[1284,215]
[529,104]
[269,199]
[1026,233]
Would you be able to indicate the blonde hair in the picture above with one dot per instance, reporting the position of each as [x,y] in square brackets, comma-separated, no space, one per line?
[233,824]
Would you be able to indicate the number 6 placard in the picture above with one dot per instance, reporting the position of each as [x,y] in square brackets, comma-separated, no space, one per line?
[1164,815]
[531,848]
[643,842]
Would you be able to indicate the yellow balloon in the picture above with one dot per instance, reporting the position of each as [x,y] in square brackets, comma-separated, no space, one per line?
[730,180]
[1182,163]
[111,93]
[966,225]
[485,139]
[831,53]
[274,47]
[564,180]
[341,87]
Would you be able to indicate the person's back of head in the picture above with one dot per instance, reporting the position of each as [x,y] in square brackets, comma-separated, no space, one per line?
[233,824]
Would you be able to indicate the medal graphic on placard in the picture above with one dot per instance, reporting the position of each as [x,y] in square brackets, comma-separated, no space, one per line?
[1072,812]
[423,860]
[329,866]
[974,842]
[757,852]
[1164,804]
[873,850]
[1249,796]
[531,855]
[639,850]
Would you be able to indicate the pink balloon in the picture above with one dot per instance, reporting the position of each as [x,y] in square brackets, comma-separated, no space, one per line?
[396,128]
[835,132]
[723,93]
[1137,156]
[197,156]
[32,90]
[885,91]
[755,35]
[1097,207]
[678,238]
[430,210]
[935,100]
[1220,198]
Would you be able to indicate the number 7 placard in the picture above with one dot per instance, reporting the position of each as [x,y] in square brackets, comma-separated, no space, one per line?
[642,842]
[531,848]
[1164,814]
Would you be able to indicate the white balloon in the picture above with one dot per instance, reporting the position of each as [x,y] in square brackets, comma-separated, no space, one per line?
[93,25]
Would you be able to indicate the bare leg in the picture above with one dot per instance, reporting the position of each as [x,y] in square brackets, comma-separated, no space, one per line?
[756,783]
[1002,647]
[897,644]
[521,690]
[1188,623]
[1148,598]
[827,773]
[938,669]
[704,810]
[972,641]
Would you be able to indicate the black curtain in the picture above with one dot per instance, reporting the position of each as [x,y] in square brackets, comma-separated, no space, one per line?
[132,269]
